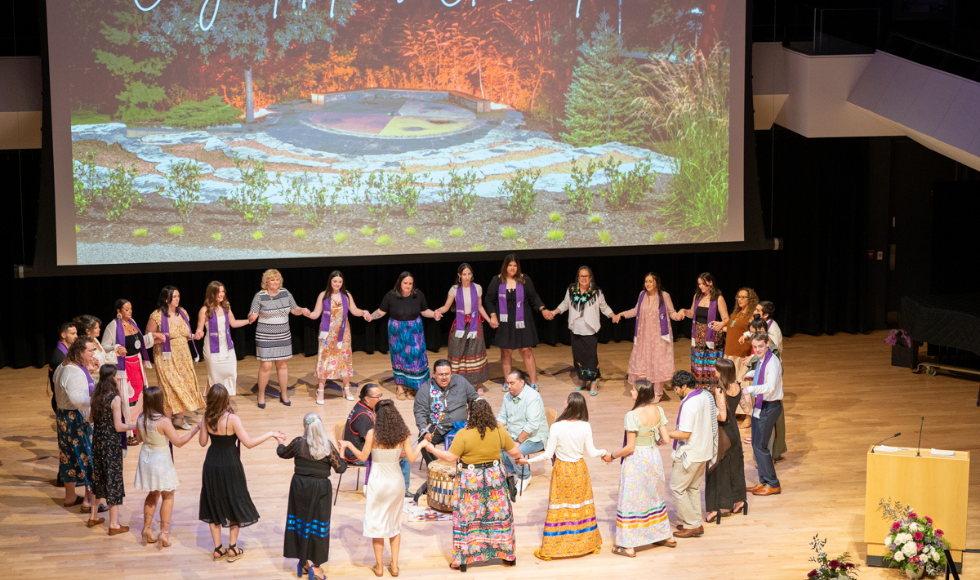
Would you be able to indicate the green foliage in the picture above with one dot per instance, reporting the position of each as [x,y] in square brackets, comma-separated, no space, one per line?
[257,235]
[83,172]
[642,220]
[88,117]
[386,191]
[249,199]
[341,237]
[210,112]
[627,190]
[580,192]
[509,233]
[411,230]
[433,243]
[555,218]
[384,240]
[456,232]
[660,238]
[595,219]
[523,198]
[300,234]
[118,192]
[185,187]
[140,233]
[216,236]
[404,190]
[367,230]
[78,229]
[478,248]
[458,193]
[141,94]
[599,103]
[310,200]
[176,231]
[556,235]
[350,183]
[605,237]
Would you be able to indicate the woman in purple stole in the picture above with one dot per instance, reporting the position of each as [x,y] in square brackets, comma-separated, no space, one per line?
[652,358]
[710,315]
[126,345]
[510,296]
[171,330]
[467,348]
[335,360]
[215,321]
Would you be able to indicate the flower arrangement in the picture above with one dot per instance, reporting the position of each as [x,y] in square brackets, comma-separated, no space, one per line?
[838,568]
[913,544]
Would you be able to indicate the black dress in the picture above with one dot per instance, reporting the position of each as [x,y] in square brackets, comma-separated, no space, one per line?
[307,534]
[224,493]
[107,460]
[507,335]
[725,485]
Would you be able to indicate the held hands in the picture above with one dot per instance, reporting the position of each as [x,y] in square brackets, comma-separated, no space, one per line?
[159,337]
[120,351]
[607,458]
[523,461]
[367,316]
[616,318]
[437,315]
[198,335]
[548,314]
[717,326]
[252,317]
[493,321]
[280,437]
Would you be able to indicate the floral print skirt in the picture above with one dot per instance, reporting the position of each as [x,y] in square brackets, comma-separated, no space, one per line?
[74,447]
[483,520]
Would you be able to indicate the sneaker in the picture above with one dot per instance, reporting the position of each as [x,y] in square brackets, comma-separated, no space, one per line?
[523,483]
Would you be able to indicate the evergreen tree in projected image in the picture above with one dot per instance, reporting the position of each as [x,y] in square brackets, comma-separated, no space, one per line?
[599,107]
[141,93]
[245,31]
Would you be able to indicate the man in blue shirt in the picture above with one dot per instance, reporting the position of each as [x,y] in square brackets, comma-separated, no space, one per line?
[522,415]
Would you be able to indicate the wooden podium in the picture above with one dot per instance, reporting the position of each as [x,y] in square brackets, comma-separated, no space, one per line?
[934,485]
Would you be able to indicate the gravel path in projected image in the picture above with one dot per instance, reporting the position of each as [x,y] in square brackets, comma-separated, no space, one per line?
[408,131]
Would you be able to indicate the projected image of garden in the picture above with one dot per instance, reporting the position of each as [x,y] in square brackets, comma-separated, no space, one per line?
[252,129]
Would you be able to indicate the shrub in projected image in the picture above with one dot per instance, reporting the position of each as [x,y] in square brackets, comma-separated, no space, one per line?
[176,231]
[384,240]
[605,237]
[412,230]
[580,192]
[456,232]
[309,199]
[300,234]
[405,191]
[216,236]
[385,192]
[85,172]
[595,219]
[556,235]
[433,243]
[118,192]
[140,233]
[78,229]
[626,190]
[185,187]
[256,235]
[367,230]
[249,199]
[341,237]
[687,102]
[200,114]
[555,218]
[478,248]
[660,238]
[349,185]
[523,197]
[509,233]
[458,194]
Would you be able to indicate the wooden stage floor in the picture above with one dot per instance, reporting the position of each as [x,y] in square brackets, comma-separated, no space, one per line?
[841,396]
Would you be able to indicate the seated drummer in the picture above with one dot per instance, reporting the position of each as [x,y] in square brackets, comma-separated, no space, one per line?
[440,402]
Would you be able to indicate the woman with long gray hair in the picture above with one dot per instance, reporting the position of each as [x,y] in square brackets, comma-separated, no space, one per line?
[308,515]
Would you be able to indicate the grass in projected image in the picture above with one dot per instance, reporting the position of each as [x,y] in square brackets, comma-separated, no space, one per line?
[469,145]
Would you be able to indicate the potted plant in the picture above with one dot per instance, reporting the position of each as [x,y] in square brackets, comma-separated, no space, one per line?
[913,543]
[839,568]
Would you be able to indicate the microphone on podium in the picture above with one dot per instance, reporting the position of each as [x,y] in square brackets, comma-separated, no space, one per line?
[919,446]
[883,440]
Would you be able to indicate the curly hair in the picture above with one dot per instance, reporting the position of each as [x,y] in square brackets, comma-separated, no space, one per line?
[481,417]
[390,430]
[750,304]
[271,274]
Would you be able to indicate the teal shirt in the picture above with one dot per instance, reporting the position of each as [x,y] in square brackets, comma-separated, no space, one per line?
[524,413]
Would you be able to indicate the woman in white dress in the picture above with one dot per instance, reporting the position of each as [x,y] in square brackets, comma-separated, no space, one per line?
[215,320]
[155,472]
[385,489]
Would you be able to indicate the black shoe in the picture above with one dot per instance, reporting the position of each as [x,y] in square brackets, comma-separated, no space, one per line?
[512,488]
[420,491]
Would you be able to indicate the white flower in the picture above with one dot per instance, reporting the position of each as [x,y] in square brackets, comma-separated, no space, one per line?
[889,540]
[899,556]
[934,556]
[914,527]
[909,549]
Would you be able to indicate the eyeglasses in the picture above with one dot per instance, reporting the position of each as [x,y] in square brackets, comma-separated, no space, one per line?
[742,297]
[374,397]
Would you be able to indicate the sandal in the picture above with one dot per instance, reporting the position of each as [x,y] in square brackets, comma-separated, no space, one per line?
[711,518]
[235,553]
[400,395]
[164,542]
[319,395]
[377,573]
[621,551]
[594,390]
[308,570]
[669,542]
[392,571]
[219,554]
[347,394]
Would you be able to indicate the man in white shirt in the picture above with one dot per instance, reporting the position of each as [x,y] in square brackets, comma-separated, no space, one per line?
[766,391]
[695,444]
[522,415]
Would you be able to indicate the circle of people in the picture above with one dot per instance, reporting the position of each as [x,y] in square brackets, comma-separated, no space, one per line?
[735,366]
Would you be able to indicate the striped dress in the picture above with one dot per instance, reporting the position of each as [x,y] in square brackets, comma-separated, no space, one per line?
[272,338]
[641,514]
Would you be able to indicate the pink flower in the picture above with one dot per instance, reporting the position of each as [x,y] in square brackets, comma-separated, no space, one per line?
[849,566]
[811,574]
[834,564]
[912,515]
[939,532]
[896,526]
[918,547]
[928,519]
[918,536]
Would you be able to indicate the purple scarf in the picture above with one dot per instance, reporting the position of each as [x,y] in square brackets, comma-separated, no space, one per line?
[502,303]
[474,316]
[213,332]
[62,347]
[664,324]
[121,340]
[681,409]
[91,381]
[709,337]
[769,323]
[758,379]
[165,329]
[325,318]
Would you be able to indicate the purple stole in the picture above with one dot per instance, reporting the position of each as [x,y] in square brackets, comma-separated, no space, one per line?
[679,410]
[325,317]
[88,377]
[709,337]
[121,340]
[165,329]
[62,347]
[664,323]
[474,316]
[769,323]
[502,303]
[758,379]
[213,333]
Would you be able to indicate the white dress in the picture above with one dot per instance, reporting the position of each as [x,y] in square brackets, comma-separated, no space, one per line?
[223,365]
[155,470]
[385,495]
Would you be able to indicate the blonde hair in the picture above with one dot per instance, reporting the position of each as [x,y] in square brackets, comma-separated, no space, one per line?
[316,436]
[269,275]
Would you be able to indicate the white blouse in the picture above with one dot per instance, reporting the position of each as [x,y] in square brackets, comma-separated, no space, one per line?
[586,321]
[569,441]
